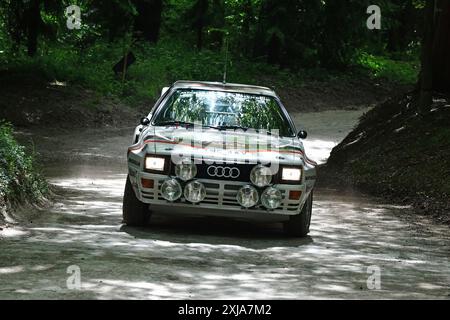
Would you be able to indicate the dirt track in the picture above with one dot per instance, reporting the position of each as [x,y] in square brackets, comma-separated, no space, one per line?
[181,258]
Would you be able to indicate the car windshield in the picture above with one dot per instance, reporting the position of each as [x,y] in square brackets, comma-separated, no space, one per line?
[224,110]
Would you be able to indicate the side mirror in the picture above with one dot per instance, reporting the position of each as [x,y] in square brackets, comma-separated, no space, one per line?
[145,121]
[302,134]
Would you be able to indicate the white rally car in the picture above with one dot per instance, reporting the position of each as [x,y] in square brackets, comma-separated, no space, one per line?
[219,149]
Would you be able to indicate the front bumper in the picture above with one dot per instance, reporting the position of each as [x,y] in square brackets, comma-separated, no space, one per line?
[220,195]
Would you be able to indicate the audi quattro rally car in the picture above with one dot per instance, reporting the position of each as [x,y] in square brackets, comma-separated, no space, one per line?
[219,149]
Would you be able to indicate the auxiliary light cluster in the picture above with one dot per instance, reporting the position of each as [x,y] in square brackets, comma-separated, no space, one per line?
[248,196]
[194,191]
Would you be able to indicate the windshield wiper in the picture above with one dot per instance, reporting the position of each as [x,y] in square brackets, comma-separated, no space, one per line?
[236,127]
[181,124]
[175,123]
[231,127]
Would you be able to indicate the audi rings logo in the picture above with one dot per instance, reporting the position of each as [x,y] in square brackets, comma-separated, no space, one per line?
[223,172]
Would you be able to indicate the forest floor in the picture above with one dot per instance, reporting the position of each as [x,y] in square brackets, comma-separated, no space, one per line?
[31,100]
[352,236]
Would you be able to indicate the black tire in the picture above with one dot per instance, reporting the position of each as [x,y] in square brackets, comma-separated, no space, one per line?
[298,225]
[135,212]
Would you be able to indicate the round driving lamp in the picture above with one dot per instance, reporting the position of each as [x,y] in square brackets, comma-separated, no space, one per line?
[261,176]
[247,196]
[171,190]
[271,198]
[195,192]
[186,170]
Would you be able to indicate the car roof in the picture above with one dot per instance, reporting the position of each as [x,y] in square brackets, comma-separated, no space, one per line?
[228,87]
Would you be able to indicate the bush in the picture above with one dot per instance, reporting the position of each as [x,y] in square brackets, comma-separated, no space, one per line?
[399,71]
[19,178]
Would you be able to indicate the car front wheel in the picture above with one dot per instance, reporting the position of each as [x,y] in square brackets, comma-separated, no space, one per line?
[298,225]
[135,212]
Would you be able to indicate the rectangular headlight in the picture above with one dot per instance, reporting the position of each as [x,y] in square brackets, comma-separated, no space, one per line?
[291,174]
[155,163]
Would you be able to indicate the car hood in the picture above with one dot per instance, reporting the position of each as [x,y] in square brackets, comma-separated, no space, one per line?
[212,144]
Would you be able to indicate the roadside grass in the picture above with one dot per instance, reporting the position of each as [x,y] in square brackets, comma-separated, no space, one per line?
[20,178]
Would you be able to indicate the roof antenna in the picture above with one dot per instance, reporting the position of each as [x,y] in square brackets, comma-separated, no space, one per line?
[226,61]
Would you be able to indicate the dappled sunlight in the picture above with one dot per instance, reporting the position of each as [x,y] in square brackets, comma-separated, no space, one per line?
[13,269]
[182,257]
[319,150]
[112,186]
[12,232]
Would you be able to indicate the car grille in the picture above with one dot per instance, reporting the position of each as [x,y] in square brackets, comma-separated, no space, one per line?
[223,172]
[220,195]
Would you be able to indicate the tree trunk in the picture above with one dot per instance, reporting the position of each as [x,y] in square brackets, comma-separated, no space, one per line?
[401,34]
[274,49]
[333,42]
[246,22]
[201,9]
[33,20]
[258,41]
[217,22]
[426,74]
[148,19]
[441,48]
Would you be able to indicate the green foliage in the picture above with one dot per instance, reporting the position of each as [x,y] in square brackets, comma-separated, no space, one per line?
[294,34]
[403,72]
[156,67]
[92,69]
[19,178]
[312,38]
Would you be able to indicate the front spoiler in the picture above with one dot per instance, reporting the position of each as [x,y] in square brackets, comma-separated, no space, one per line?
[170,210]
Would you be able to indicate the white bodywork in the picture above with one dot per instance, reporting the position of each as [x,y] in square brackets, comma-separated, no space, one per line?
[211,146]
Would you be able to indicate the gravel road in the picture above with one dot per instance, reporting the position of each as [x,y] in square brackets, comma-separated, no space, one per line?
[354,241]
